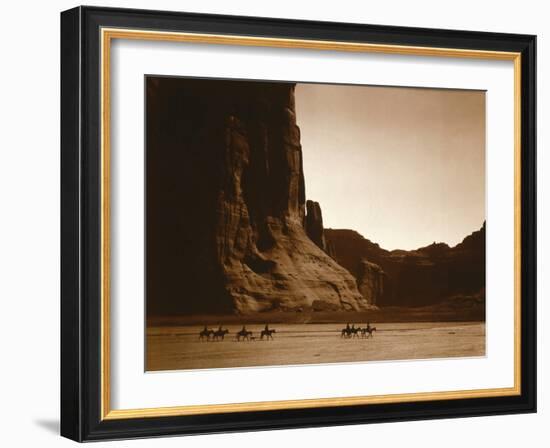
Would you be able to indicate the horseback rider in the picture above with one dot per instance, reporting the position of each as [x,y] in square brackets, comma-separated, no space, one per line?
[348,327]
[205,333]
[266,328]
[368,327]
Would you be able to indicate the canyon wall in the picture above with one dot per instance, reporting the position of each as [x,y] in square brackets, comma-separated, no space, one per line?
[420,277]
[226,208]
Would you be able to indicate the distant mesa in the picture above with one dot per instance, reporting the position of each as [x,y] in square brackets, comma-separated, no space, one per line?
[420,277]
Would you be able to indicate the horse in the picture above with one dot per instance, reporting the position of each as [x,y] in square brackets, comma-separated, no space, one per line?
[350,332]
[206,333]
[369,330]
[220,334]
[267,333]
[244,334]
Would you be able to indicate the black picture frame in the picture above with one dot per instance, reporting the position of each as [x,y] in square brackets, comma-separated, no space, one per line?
[81,225]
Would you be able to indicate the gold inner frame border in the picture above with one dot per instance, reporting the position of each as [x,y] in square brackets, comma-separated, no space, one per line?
[107,35]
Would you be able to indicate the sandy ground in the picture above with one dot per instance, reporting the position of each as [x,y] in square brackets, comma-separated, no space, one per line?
[179,347]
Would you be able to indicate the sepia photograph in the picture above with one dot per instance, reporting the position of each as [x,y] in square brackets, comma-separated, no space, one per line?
[280,222]
[293,223]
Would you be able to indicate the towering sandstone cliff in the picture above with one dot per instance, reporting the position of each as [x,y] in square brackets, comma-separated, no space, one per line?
[226,208]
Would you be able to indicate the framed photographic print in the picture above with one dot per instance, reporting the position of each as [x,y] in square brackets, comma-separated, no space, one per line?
[276,224]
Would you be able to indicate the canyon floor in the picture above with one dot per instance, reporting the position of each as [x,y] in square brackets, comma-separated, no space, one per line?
[171,347]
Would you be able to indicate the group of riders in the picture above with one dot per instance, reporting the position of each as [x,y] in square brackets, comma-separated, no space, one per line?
[243,334]
[354,332]
[349,332]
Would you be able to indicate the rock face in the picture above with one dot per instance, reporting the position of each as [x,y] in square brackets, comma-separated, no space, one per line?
[314,224]
[226,209]
[371,282]
[420,277]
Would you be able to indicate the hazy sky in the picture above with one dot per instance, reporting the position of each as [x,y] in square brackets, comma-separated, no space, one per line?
[404,167]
